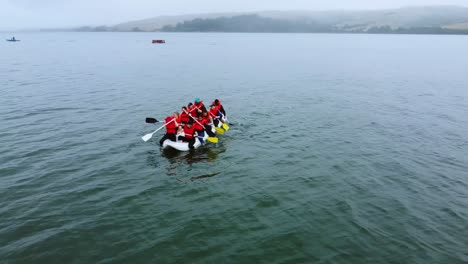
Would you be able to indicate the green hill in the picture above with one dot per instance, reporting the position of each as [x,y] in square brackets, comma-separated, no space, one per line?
[424,20]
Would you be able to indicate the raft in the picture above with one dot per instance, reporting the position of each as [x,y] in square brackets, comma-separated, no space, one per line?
[159,41]
[180,146]
[184,146]
[13,40]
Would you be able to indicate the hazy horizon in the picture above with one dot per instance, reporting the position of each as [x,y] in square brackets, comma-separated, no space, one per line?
[29,14]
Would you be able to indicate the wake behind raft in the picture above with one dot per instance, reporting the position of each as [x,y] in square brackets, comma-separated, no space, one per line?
[193,127]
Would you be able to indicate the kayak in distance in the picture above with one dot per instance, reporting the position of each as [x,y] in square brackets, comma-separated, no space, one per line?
[13,39]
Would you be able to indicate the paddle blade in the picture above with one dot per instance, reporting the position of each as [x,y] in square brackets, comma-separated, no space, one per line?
[219,130]
[151,120]
[147,137]
[212,139]
[225,126]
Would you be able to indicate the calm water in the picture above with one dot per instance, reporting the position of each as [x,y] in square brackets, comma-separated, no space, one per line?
[342,149]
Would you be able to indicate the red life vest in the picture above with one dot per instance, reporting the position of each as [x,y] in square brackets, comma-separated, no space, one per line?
[218,105]
[170,127]
[198,105]
[213,113]
[189,131]
[192,110]
[183,118]
[206,120]
[197,126]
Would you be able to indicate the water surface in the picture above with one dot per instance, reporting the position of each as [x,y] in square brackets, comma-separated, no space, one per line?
[342,149]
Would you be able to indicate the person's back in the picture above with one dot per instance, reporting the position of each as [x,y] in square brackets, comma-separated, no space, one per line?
[199,105]
[171,128]
[189,130]
[190,134]
[191,109]
[198,125]
[214,113]
[219,106]
[207,123]
[184,118]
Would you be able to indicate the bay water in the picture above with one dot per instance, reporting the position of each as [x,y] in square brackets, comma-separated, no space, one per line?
[342,149]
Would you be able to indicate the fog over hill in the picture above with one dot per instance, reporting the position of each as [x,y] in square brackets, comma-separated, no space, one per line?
[431,19]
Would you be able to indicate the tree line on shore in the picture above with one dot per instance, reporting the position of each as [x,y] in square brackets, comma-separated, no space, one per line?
[257,24]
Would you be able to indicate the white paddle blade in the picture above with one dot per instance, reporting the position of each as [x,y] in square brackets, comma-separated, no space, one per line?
[147,137]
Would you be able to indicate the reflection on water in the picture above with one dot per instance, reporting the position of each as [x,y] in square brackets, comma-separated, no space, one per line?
[204,154]
[180,164]
[204,176]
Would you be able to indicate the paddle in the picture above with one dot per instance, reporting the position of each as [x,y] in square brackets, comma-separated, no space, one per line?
[151,120]
[224,125]
[150,135]
[210,139]
[219,130]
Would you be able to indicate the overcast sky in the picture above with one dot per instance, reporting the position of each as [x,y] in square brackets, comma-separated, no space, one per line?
[15,14]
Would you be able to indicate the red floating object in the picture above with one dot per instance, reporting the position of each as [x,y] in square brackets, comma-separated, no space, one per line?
[159,41]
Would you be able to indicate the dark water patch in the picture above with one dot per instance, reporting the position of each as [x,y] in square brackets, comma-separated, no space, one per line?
[50,110]
[204,176]
[28,83]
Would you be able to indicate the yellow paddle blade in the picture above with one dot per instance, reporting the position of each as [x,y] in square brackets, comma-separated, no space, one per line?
[219,130]
[212,139]
[225,126]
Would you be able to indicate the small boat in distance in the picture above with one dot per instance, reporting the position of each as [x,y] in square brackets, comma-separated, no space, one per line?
[13,39]
[159,41]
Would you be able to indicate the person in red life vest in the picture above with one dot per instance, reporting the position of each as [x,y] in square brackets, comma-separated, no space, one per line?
[184,117]
[199,105]
[207,123]
[215,114]
[171,128]
[199,127]
[190,134]
[191,109]
[219,106]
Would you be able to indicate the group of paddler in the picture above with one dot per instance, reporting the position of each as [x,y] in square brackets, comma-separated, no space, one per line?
[194,120]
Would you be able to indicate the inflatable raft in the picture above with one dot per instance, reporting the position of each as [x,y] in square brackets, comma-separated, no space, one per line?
[180,146]
[184,146]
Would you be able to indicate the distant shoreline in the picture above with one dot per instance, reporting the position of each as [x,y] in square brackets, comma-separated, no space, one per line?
[423,20]
[238,32]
